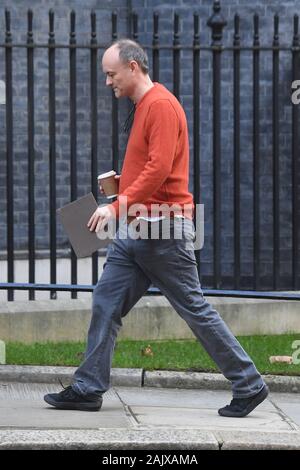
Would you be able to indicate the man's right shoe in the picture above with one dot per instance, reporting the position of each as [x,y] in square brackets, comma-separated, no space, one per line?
[68,399]
[240,407]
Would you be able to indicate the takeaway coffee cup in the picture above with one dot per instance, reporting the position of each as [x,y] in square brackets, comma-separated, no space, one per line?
[109,184]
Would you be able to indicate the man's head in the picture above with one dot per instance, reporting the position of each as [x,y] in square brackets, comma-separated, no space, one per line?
[125,64]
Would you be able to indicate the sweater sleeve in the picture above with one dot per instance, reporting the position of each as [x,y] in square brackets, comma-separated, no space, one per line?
[161,131]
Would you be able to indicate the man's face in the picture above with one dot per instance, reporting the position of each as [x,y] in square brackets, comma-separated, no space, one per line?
[119,76]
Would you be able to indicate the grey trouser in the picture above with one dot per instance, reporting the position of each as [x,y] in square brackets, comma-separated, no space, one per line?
[131,266]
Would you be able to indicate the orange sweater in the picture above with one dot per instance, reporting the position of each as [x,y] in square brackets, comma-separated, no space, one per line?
[156,164]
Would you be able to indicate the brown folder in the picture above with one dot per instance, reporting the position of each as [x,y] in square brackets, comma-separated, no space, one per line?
[74,218]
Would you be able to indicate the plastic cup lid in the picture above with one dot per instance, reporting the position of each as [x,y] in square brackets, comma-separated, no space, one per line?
[106,175]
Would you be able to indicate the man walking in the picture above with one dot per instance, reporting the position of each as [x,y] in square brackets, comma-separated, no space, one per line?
[155,173]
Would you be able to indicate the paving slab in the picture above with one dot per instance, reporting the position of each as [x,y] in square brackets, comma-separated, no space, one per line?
[183,398]
[186,408]
[289,404]
[22,406]
[109,439]
[240,440]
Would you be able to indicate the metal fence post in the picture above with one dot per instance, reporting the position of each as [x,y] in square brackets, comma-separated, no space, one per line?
[94,127]
[31,154]
[216,22]
[9,155]
[52,151]
[295,159]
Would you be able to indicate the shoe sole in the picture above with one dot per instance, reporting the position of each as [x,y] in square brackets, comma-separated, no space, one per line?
[261,396]
[87,406]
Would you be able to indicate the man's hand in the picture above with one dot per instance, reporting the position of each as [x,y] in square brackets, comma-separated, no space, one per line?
[99,219]
[117,177]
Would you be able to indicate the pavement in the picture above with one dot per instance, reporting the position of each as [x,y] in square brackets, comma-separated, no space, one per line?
[145,410]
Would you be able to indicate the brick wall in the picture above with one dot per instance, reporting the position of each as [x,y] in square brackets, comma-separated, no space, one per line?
[145,9]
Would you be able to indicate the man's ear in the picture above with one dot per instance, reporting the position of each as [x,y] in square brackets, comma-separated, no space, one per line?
[133,66]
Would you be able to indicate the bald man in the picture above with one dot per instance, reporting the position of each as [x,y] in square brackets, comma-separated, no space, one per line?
[155,174]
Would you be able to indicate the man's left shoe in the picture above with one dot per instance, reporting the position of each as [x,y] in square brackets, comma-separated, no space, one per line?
[240,407]
[68,399]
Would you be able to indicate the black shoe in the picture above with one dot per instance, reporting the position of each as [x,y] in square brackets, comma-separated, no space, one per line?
[68,399]
[240,407]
